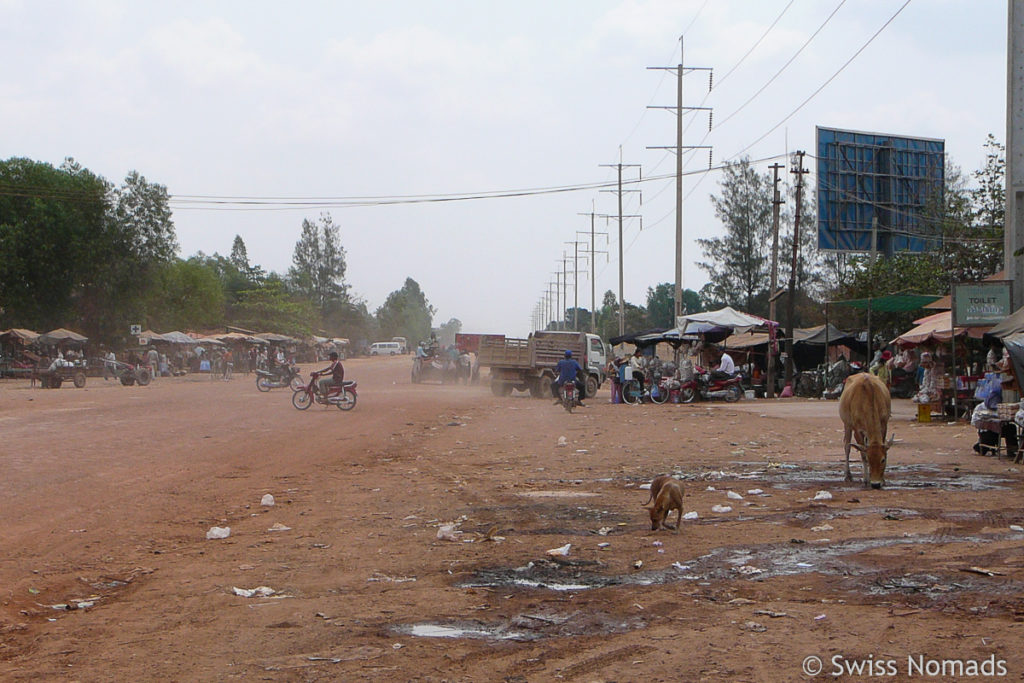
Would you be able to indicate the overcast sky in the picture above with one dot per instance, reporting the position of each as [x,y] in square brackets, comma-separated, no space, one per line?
[341,99]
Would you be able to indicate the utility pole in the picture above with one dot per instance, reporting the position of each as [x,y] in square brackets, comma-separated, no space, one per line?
[679,70]
[619,192]
[593,275]
[776,203]
[565,289]
[799,170]
[1013,235]
[558,298]
[576,283]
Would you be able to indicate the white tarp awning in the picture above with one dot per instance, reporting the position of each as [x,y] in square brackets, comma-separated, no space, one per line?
[729,317]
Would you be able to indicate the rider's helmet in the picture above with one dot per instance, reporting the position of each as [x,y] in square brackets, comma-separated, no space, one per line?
[568,353]
[333,355]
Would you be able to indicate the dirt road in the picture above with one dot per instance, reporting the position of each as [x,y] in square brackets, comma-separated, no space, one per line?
[107,494]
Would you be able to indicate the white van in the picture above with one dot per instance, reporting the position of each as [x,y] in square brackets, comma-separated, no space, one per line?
[390,348]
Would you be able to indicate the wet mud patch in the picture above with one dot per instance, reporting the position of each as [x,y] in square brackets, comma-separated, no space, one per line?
[523,627]
[899,477]
[757,563]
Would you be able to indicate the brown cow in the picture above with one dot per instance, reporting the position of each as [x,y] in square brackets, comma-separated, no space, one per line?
[865,408]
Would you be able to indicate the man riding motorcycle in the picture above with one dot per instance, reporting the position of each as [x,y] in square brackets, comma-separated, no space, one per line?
[332,375]
[568,369]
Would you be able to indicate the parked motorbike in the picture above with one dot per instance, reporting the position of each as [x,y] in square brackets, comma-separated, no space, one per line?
[281,376]
[702,385]
[343,395]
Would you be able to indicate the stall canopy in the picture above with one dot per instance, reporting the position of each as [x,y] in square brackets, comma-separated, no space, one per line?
[176,337]
[151,336]
[22,335]
[936,328]
[1014,344]
[728,317]
[1011,324]
[285,339]
[633,337]
[890,303]
[62,336]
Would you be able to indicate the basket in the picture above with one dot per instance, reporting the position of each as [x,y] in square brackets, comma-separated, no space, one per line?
[1007,410]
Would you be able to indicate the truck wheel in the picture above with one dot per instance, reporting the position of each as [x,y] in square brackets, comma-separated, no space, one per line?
[79,379]
[592,386]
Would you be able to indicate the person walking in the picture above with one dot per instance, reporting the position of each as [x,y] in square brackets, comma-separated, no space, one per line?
[153,360]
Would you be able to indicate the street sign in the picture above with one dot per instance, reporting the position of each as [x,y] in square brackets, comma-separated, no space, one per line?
[135,330]
[981,304]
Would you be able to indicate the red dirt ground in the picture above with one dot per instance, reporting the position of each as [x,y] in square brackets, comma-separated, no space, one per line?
[108,491]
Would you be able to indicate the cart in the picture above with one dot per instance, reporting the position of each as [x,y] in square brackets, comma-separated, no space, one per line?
[67,371]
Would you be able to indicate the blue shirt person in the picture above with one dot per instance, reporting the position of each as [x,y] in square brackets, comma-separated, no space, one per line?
[567,372]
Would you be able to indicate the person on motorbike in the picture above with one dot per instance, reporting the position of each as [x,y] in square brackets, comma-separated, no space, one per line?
[332,375]
[568,371]
[724,367]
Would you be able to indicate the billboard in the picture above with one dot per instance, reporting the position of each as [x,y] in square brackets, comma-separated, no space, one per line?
[981,304]
[867,179]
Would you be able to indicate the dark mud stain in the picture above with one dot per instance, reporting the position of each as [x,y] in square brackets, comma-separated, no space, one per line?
[900,477]
[756,562]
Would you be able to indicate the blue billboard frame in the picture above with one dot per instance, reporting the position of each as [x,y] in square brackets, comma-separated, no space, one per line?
[864,177]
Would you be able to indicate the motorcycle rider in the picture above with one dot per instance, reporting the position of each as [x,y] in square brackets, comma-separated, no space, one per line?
[724,367]
[332,375]
[568,370]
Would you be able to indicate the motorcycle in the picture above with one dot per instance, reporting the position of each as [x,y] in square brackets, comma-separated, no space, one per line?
[568,396]
[281,376]
[343,395]
[704,386]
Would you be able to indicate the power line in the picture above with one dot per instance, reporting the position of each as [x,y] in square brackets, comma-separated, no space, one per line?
[830,79]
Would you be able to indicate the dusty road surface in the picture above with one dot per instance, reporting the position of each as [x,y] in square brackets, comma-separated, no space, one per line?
[107,493]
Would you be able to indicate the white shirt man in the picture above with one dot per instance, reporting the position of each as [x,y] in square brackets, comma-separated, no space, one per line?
[726,365]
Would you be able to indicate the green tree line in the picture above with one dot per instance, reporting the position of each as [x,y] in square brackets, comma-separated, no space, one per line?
[77,251]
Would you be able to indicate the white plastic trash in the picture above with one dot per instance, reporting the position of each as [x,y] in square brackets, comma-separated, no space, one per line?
[733,495]
[217,532]
[267,500]
[749,394]
[721,509]
[822,495]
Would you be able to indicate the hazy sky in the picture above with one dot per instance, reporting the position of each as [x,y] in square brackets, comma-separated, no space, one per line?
[337,99]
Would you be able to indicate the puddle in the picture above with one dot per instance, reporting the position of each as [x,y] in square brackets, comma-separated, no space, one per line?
[557,494]
[900,477]
[461,631]
[525,627]
[747,563]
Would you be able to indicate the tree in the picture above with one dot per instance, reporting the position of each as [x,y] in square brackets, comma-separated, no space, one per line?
[406,313]
[53,228]
[318,270]
[737,263]
[239,258]
[661,305]
[446,332]
[272,307]
[142,212]
[188,296]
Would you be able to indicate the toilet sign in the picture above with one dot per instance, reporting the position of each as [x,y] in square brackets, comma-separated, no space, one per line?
[981,304]
[135,330]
